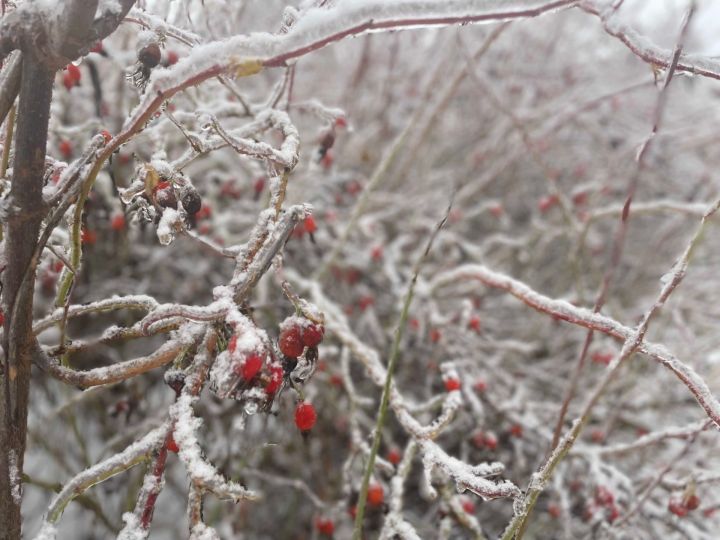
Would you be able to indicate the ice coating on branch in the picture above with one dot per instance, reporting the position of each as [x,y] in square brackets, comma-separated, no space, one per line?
[201,472]
[200,531]
[46,532]
[132,529]
[170,223]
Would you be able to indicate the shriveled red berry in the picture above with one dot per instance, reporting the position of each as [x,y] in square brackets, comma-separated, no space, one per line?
[149,55]
[172,446]
[2,317]
[375,495]
[325,526]
[613,513]
[452,384]
[290,342]
[312,334]
[305,416]
[310,224]
[250,366]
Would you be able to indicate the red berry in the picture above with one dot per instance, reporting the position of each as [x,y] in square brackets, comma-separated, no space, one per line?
[305,416]
[276,379]
[597,436]
[259,185]
[204,213]
[479,439]
[290,342]
[312,335]
[163,184]
[452,384]
[106,135]
[66,149]
[365,302]
[72,76]
[435,335]
[546,202]
[150,55]
[480,386]
[250,367]
[310,225]
[325,526]
[341,122]
[468,505]
[327,159]
[118,222]
[691,502]
[604,496]
[97,48]
[394,456]
[602,358]
[172,446]
[613,513]
[375,495]
[88,236]
[2,317]
[474,323]
[677,508]
[376,254]
[516,430]
[172,58]
[497,210]
[554,510]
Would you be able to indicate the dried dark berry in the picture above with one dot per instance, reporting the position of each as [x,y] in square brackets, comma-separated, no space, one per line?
[150,55]
[191,201]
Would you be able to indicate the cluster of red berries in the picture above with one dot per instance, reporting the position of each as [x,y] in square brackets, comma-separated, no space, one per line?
[681,505]
[296,334]
[485,440]
[604,499]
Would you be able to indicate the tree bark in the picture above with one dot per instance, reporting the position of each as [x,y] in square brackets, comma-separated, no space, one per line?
[23,227]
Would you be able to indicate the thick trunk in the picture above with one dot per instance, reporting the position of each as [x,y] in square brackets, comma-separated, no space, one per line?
[23,226]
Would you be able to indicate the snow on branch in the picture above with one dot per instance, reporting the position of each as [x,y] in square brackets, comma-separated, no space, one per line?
[133,455]
[645,49]
[201,472]
[248,54]
[563,310]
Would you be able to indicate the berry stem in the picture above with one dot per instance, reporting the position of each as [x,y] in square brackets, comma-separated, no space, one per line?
[382,413]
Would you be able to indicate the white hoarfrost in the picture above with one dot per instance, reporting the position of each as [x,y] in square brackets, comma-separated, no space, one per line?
[170,223]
